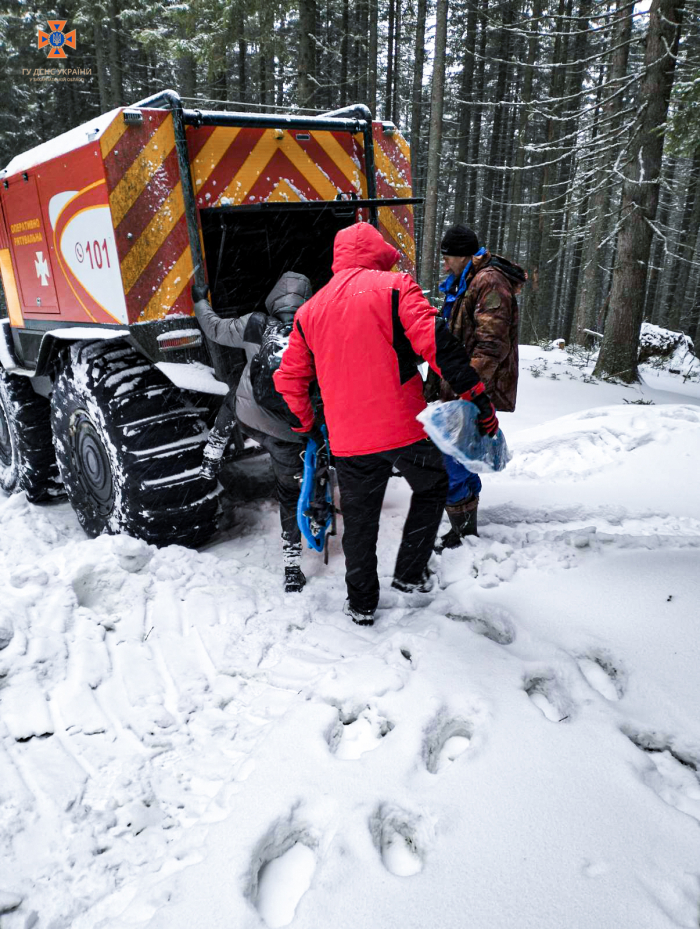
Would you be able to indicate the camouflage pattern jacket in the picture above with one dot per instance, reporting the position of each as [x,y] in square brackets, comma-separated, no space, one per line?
[485,320]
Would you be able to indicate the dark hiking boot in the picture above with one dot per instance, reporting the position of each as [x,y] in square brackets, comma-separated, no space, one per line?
[423,586]
[213,454]
[210,468]
[361,617]
[462,517]
[294,579]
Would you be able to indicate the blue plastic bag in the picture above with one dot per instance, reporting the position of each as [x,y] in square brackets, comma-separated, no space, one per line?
[452,427]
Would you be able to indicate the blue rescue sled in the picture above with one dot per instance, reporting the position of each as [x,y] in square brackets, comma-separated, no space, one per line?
[316,509]
[452,427]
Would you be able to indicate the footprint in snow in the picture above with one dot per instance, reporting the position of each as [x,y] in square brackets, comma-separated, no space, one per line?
[549,696]
[283,868]
[401,838]
[673,775]
[357,733]
[446,738]
[604,674]
[492,622]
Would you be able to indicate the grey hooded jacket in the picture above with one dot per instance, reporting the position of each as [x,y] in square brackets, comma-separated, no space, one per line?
[285,298]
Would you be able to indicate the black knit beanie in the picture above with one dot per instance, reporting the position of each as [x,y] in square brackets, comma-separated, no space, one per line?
[459,241]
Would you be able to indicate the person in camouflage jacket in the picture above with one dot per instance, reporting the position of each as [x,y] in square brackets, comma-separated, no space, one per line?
[482,312]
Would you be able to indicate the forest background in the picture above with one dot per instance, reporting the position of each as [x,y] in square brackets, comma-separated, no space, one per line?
[565,132]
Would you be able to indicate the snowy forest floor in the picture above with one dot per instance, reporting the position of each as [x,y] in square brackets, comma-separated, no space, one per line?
[184,746]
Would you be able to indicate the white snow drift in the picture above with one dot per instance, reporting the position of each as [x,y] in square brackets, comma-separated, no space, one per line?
[183,746]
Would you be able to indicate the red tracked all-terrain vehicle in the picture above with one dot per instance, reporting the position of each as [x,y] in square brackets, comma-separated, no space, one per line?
[106,380]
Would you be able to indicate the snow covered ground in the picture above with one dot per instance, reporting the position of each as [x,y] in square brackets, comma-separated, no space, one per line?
[183,746]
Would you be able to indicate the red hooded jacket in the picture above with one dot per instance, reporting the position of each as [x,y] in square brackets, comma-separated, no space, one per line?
[361,343]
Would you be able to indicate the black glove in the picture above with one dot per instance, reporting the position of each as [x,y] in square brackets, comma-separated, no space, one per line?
[316,434]
[200,293]
[487,421]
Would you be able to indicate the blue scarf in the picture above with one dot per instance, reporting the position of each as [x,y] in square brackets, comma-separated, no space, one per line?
[453,292]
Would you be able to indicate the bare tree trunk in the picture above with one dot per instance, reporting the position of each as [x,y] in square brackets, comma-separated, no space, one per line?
[678,310]
[102,80]
[306,66]
[239,26]
[654,309]
[417,93]
[592,278]
[353,64]
[466,98]
[525,97]
[427,266]
[551,214]
[395,95]
[475,146]
[115,65]
[493,181]
[640,197]
[363,51]
[373,50]
[344,42]
[507,158]
[388,94]
[266,24]
[694,325]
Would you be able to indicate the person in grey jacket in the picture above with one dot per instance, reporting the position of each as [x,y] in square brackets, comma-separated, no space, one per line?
[274,433]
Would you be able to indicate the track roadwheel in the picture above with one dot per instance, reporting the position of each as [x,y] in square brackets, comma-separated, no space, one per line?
[27,460]
[129,447]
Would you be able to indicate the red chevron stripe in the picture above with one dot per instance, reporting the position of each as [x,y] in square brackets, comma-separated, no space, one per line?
[325,163]
[280,167]
[155,272]
[229,166]
[147,204]
[183,304]
[392,151]
[131,144]
[197,139]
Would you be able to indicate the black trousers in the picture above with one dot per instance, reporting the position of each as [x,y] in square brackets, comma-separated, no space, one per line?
[362,480]
[287,465]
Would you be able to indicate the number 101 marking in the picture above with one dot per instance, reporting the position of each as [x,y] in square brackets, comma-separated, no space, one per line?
[95,251]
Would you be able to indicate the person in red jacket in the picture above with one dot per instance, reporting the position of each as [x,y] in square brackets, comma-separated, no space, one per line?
[362,337]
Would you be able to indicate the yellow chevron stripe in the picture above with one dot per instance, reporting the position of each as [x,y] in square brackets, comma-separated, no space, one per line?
[174,283]
[9,283]
[138,175]
[398,232]
[252,168]
[112,134]
[214,150]
[386,167]
[312,173]
[339,157]
[153,236]
[403,145]
[283,193]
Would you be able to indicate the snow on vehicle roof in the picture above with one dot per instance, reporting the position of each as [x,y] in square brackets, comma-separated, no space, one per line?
[62,144]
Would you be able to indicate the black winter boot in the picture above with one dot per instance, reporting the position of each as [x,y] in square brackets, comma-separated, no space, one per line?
[360,617]
[463,520]
[423,586]
[213,454]
[294,579]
